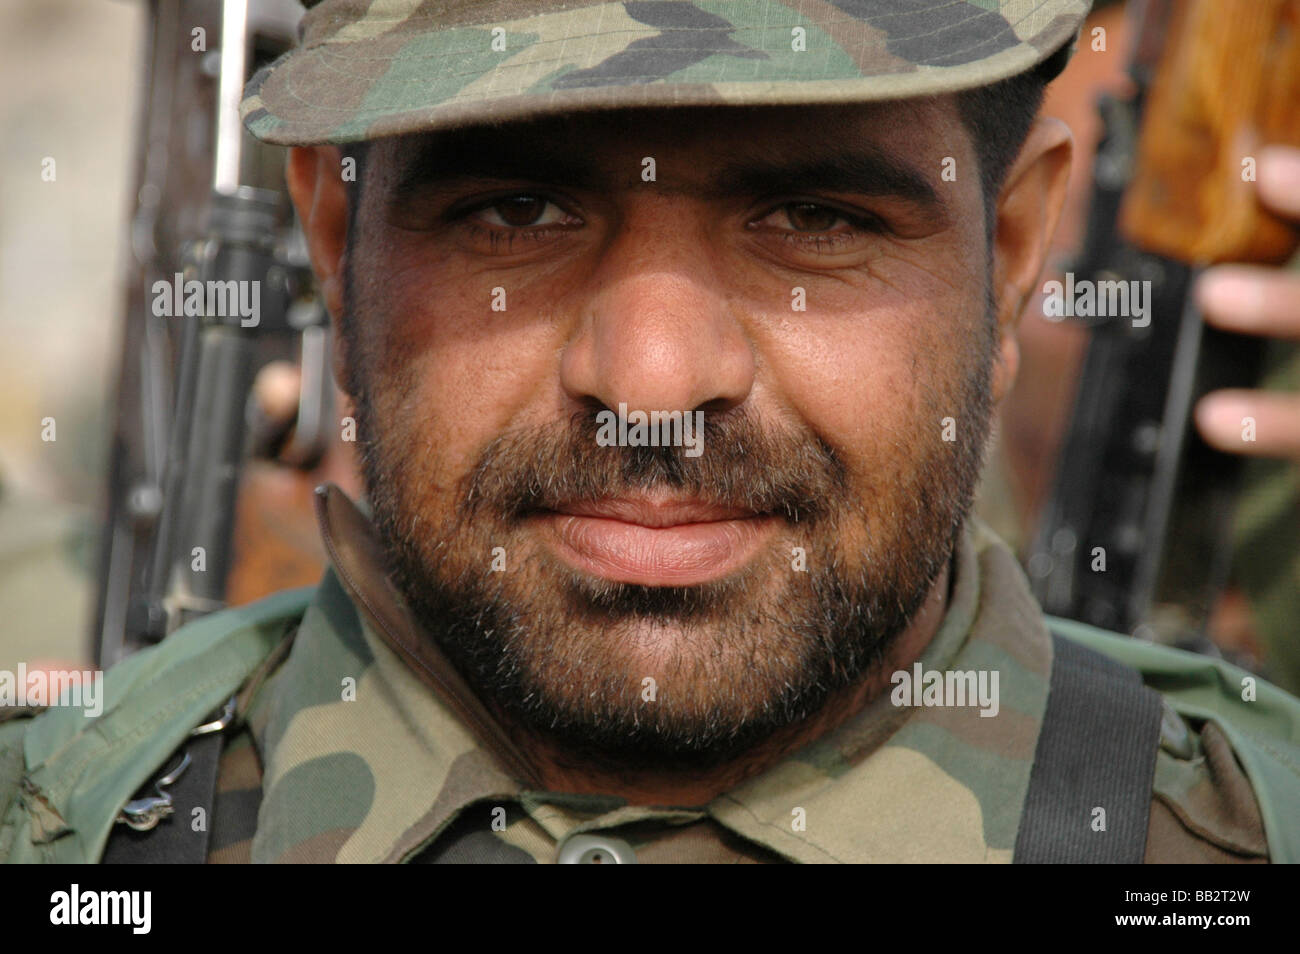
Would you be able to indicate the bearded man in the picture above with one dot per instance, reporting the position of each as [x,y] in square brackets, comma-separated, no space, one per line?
[806,230]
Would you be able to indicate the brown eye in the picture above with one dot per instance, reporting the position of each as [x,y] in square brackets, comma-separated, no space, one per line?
[520,210]
[810,217]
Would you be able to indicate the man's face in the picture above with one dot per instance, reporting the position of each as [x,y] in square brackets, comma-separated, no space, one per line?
[803,276]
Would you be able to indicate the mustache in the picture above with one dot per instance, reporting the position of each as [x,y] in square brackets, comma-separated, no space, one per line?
[768,470]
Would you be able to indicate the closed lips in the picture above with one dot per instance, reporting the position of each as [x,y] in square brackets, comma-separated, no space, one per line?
[660,542]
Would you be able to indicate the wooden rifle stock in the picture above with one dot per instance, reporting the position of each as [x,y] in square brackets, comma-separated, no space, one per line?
[1227,83]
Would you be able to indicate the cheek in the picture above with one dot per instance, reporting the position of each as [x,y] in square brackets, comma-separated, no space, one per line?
[451,371]
[872,368]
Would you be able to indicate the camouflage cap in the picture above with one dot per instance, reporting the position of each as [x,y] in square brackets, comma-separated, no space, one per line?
[371,68]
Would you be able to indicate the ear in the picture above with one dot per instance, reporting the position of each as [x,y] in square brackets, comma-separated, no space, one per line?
[1029,207]
[320,197]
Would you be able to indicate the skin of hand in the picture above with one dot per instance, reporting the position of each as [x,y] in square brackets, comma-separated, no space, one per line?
[1256,300]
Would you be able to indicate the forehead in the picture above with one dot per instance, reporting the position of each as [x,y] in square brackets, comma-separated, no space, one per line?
[691,142]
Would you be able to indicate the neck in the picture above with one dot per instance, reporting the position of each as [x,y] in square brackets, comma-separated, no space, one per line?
[558,773]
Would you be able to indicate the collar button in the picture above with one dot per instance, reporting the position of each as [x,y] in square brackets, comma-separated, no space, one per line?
[587,849]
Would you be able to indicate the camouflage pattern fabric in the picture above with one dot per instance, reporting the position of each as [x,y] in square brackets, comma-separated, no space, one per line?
[371,68]
[382,774]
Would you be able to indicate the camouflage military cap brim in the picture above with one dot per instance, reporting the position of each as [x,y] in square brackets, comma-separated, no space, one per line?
[371,68]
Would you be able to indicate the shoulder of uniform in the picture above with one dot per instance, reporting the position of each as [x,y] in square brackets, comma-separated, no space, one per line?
[1229,749]
[1204,809]
[64,774]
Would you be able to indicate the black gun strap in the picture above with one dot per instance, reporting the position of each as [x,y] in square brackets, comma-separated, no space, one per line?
[174,839]
[1096,750]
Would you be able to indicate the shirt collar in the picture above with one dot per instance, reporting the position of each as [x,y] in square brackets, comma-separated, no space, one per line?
[372,743]
[898,783]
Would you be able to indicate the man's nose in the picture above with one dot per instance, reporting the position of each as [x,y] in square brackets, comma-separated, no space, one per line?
[658,332]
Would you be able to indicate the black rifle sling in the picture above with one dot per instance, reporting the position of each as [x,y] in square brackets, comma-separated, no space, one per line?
[1096,750]
[174,839]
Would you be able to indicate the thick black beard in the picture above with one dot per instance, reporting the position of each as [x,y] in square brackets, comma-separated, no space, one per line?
[803,643]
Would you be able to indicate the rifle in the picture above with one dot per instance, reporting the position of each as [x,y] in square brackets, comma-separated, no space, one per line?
[1136,536]
[210,216]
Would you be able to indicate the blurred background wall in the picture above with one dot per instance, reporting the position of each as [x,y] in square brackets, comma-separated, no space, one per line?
[68,91]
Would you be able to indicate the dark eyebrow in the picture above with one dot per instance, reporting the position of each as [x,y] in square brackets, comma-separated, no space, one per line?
[471,159]
[863,172]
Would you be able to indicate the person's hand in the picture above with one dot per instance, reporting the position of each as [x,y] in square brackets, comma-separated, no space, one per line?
[1256,300]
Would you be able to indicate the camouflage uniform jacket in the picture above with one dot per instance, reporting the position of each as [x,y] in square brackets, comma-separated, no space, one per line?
[358,743]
